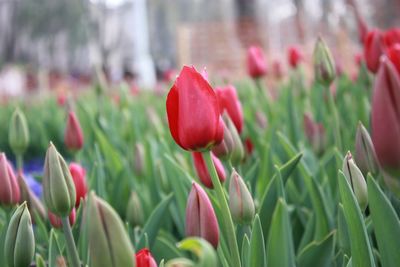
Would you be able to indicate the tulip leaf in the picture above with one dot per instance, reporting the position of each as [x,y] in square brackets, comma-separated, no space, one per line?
[343,233]
[287,169]
[268,202]
[113,160]
[40,261]
[361,252]
[317,253]
[245,251]
[154,223]
[257,245]
[280,250]
[54,249]
[165,248]
[202,249]
[386,225]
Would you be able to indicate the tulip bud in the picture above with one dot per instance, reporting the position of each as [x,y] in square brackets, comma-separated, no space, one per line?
[109,244]
[145,259]
[200,216]
[256,66]
[241,203]
[315,133]
[78,174]
[224,149]
[73,138]
[58,186]
[139,160]
[18,135]
[229,102]
[249,146]
[203,172]
[9,188]
[365,156]
[295,56]
[134,210]
[19,246]
[373,49]
[324,66]
[56,221]
[356,180]
[237,154]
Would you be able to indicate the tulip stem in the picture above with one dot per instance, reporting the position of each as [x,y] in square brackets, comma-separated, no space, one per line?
[226,215]
[336,124]
[20,162]
[70,243]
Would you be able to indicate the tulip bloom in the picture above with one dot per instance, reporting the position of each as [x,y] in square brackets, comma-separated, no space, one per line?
[200,216]
[394,55]
[392,37]
[193,112]
[73,133]
[385,117]
[295,56]
[256,66]
[145,259]
[55,221]
[78,174]
[202,171]
[373,49]
[229,102]
[9,188]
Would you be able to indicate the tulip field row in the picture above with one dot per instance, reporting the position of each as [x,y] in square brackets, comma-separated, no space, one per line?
[207,174]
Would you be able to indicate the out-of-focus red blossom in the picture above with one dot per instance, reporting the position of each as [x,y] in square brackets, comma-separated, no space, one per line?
[315,133]
[145,259]
[394,55]
[385,117]
[277,69]
[73,138]
[202,171]
[193,112]
[229,102]
[169,75]
[362,29]
[249,145]
[200,216]
[295,56]
[373,49]
[9,188]
[78,174]
[358,59]
[61,99]
[55,221]
[256,65]
[392,37]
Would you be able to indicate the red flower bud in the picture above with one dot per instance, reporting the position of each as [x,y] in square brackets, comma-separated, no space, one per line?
[385,117]
[78,174]
[229,101]
[200,216]
[394,55]
[202,171]
[145,259]
[73,133]
[295,56]
[193,112]
[56,221]
[392,37]
[256,66]
[373,49]
[9,188]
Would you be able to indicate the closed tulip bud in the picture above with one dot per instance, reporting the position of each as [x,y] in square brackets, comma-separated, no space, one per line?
[365,156]
[237,154]
[223,150]
[241,203]
[202,171]
[295,56]
[9,189]
[324,65]
[134,210]
[18,135]
[78,174]
[145,259]
[229,102]
[56,222]
[256,65]
[19,246]
[394,55]
[193,112]
[109,244]
[356,180]
[200,216]
[73,138]
[58,186]
[139,160]
[373,49]
[385,117]
[315,133]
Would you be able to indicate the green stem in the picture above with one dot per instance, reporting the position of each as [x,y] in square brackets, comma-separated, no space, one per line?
[336,123]
[20,162]
[226,215]
[70,243]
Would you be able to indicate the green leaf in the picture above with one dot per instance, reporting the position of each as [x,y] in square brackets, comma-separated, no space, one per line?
[386,225]
[245,251]
[113,159]
[317,253]
[361,252]
[54,249]
[40,261]
[288,168]
[257,245]
[202,249]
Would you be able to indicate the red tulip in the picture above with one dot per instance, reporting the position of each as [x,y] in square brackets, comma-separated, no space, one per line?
[394,55]
[73,133]
[193,112]
[249,145]
[256,66]
[277,69]
[229,102]
[9,188]
[373,49]
[78,174]
[145,259]
[200,216]
[392,37]
[295,56]
[55,221]
[202,171]
[385,117]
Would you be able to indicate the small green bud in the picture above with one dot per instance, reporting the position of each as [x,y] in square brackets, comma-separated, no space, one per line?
[18,135]
[19,247]
[324,66]
[241,202]
[237,152]
[134,211]
[365,156]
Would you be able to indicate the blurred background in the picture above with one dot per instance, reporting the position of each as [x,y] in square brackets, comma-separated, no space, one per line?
[58,44]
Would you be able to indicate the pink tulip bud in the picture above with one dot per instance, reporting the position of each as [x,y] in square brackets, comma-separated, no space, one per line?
[79,177]
[202,171]
[295,56]
[73,133]
[56,221]
[256,66]
[200,216]
[9,189]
